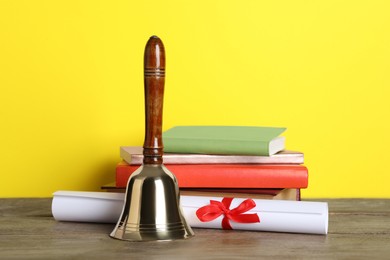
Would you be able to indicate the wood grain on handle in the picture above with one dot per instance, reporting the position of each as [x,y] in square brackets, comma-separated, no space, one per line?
[154,79]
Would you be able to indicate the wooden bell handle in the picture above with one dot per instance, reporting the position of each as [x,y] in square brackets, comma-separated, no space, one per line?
[154,79]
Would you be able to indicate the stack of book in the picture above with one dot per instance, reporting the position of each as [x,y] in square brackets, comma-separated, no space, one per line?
[225,161]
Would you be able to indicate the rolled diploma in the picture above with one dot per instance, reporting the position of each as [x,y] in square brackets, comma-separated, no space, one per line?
[275,215]
[82,206]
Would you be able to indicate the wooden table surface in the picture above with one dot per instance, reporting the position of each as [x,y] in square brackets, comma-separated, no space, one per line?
[358,229]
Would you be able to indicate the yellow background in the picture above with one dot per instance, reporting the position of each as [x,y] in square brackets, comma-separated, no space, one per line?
[72,85]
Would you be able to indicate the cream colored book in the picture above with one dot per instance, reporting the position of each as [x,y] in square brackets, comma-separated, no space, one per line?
[133,155]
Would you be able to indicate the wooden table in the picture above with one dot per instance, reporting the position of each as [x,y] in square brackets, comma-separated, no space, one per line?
[358,229]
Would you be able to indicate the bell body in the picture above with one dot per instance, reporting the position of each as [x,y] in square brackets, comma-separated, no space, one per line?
[152,208]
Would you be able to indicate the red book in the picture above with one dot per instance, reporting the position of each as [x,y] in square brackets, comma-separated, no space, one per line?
[228,175]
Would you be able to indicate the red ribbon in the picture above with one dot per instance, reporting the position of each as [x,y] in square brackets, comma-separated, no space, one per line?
[217,208]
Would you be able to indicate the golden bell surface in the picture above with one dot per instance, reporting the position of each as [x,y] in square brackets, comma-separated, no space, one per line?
[152,208]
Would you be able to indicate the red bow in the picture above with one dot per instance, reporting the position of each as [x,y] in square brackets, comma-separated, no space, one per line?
[217,208]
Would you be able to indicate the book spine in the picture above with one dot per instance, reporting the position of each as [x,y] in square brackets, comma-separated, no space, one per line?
[284,194]
[228,176]
[212,146]
[218,159]
[278,194]
[133,155]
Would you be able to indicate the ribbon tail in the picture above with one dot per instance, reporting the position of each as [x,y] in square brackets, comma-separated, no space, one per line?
[226,224]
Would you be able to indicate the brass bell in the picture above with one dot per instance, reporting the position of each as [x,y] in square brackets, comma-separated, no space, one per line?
[152,209]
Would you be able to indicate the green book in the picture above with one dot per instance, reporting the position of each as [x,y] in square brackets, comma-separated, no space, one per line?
[239,140]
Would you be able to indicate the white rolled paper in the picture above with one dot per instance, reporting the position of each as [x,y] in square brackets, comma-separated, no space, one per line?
[82,206]
[274,215]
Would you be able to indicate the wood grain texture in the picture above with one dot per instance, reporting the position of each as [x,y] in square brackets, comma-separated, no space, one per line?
[358,229]
[154,79]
